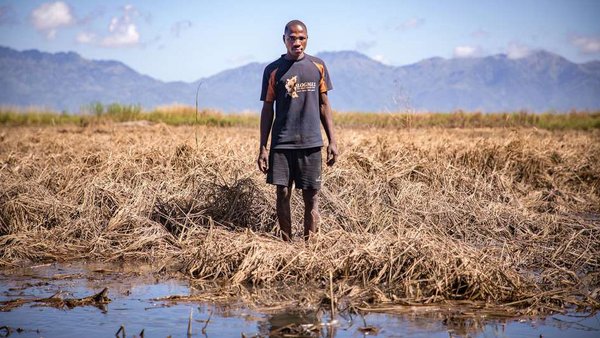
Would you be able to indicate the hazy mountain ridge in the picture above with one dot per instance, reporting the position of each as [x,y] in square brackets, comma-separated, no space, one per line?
[538,82]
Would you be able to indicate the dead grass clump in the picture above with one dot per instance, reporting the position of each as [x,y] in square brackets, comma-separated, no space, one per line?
[414,268]
[30,211]
[183,157]
[240,205]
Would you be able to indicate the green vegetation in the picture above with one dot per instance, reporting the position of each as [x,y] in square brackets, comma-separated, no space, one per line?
[15,117]
[184,115]
[582,120]
[97,113]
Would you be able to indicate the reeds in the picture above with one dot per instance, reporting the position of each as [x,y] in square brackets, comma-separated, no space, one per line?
[505,217]
[98,114]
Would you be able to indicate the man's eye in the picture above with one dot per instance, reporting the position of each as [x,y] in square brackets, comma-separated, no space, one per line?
[299,38]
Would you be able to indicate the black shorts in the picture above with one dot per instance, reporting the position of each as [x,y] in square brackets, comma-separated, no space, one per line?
[300,166]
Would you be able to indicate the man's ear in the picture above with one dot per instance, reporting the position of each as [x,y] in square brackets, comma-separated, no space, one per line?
[283,36]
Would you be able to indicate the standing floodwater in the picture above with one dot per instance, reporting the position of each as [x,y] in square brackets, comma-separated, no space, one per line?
[134,290]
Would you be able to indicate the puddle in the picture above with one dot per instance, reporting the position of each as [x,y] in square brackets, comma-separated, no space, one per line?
[134,307]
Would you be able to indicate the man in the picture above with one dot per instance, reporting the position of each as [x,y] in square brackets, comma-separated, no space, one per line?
[297,84]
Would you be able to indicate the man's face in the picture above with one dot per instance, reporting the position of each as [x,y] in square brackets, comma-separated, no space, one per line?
[295,41]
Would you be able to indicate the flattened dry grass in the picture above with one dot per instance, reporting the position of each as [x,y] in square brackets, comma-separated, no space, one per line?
[498,216]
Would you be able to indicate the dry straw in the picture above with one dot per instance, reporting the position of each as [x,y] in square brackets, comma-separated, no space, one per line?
[496,216]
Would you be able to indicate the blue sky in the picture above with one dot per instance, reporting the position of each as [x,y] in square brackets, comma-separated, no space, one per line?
[188,40]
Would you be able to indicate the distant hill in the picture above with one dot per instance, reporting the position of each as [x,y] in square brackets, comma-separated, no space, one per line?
[539,82]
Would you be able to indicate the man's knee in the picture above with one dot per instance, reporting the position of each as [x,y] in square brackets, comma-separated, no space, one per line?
[283,193]
[310,196]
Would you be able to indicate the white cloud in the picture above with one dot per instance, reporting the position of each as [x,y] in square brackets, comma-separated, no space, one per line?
[122,31]
[466,51]
[586,44]
[50,16]
[381,58]
[85,37]
[517,50]
[411,23]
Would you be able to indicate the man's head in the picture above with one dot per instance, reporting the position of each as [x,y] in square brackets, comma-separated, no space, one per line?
[295,37]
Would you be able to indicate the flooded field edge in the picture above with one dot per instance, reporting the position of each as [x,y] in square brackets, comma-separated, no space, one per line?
[75,299]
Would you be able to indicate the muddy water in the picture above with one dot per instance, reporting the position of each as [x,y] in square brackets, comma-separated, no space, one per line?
[134,307]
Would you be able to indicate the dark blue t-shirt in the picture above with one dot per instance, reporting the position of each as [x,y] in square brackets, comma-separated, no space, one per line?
[295,86]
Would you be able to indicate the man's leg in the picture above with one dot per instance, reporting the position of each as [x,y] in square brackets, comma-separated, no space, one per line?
[284,214]
[311,211]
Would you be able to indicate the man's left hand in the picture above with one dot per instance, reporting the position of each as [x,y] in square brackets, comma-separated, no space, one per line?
[332,154]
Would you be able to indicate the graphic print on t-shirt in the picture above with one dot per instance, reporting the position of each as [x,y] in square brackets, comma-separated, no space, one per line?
[293,87]
[290,86]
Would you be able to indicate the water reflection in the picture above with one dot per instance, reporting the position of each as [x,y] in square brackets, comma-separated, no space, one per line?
[132,291]
[297,323]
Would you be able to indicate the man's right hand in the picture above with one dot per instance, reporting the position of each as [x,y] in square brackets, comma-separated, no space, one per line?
[263,160]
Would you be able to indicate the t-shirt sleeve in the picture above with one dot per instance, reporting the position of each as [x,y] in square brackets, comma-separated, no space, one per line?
[326,84]
[268,85]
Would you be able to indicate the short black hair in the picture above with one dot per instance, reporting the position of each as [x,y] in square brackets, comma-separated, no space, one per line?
[294,23]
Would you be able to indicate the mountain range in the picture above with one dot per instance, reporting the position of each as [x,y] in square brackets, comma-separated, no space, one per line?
[541,81]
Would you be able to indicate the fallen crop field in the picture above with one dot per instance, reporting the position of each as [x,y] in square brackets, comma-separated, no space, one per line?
[506,217]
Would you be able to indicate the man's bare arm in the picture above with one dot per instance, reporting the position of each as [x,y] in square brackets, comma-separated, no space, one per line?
[266,121]
[327,121]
